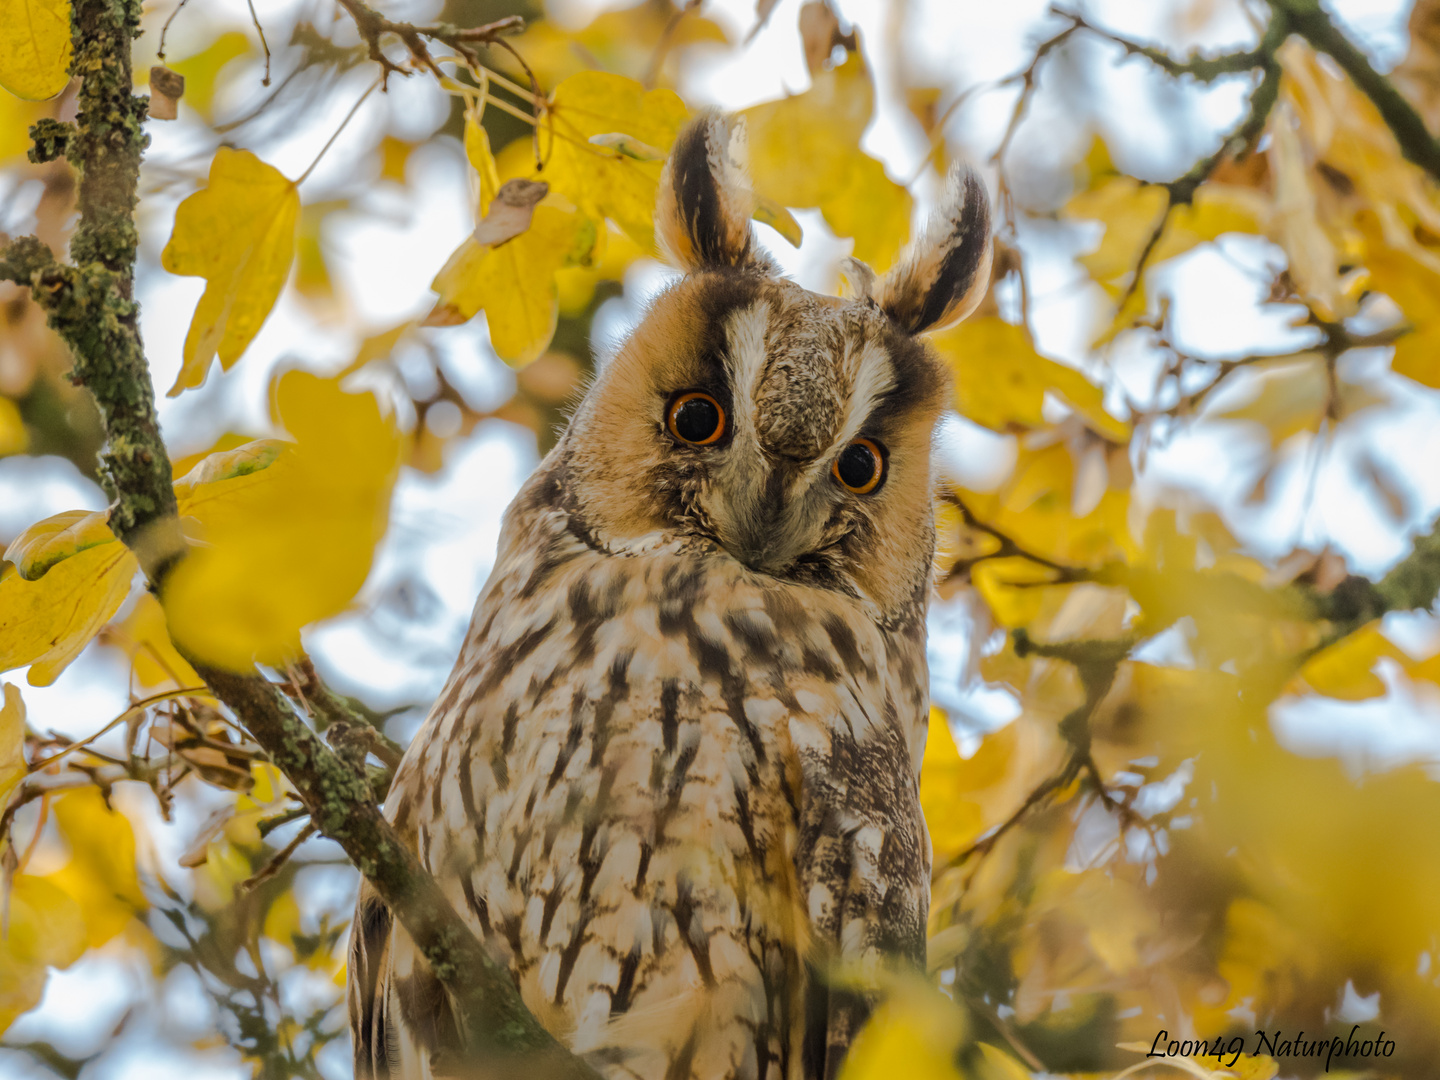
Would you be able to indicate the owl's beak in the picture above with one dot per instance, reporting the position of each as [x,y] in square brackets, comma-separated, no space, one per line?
[777,529]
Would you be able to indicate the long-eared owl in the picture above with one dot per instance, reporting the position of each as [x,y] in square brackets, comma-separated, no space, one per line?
[672,782]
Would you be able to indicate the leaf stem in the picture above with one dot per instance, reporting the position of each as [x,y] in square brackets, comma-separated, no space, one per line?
[343,124]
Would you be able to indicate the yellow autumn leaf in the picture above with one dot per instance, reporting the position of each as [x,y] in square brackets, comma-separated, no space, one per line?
[954,821]
[14,438]
[289,544]
[1001,381]
[821,128]
[871,208]
[59,537]
[34,47]
[1013,587]
[1414,285]
[45,928]
[238,233]
[1345,670]
[482,160]
[1310,253]
[12,744]
[1294,395]
[101,874]
[512,282]
[154,661]
[1130,212]
[607,183]
[576,284]
[197,485]
[914,1034]
[46,623]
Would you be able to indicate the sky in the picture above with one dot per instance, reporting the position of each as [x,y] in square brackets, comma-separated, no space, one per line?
[444,527]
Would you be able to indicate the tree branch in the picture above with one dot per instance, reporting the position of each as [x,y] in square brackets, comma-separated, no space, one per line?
[1204,68]
[1308,19]
[90,303]
[373,27]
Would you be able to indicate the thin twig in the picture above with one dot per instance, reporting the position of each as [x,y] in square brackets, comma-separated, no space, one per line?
[280,858]
[160,52]
[1008,547]
[1181,191]
[343,123]
[254,18]
[142,704]
[662,47]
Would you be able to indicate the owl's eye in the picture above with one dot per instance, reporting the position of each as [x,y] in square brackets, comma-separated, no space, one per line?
[696,418]
[860,467]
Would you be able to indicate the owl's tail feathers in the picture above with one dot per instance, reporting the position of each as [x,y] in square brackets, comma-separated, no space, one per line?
[400,1016]
[368,984]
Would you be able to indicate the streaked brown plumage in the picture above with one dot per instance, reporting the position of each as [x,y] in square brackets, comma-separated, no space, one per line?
[672,781]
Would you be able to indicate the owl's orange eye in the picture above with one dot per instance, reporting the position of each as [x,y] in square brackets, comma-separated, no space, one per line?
[696,418]
[860,467]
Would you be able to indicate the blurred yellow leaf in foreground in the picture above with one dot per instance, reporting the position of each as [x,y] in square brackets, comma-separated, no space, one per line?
[914,1034]
[45,929]
[290,543]
[238,233]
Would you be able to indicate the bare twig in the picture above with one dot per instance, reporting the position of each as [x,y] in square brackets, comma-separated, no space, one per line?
[373,27]
[279,859]
[1008,547]
[1181,191]
[160,52]
[254,18]
[138,706]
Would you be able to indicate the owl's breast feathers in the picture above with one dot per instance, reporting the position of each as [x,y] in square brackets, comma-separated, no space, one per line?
[674,797]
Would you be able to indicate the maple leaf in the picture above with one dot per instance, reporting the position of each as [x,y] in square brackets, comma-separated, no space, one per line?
[601,182]
[238,233]
[511,278]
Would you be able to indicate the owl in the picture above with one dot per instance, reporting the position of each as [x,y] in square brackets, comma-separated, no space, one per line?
[672,781]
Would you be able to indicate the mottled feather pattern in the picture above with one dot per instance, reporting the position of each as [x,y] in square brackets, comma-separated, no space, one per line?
[639,734]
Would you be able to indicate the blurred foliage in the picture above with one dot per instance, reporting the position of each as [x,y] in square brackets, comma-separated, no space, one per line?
[1136,851]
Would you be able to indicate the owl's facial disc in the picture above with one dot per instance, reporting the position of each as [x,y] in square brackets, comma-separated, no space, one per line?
[765,423]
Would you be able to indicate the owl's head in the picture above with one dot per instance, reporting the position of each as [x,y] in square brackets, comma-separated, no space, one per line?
[746,415]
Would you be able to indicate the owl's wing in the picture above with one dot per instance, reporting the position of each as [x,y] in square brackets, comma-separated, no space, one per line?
[863,862]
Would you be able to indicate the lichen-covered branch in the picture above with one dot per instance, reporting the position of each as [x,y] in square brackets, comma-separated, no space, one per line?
[90,303]
[1411,584]
[342,807]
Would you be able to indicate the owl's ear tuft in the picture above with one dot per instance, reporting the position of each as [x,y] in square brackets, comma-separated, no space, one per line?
[702,215]
[942,275]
